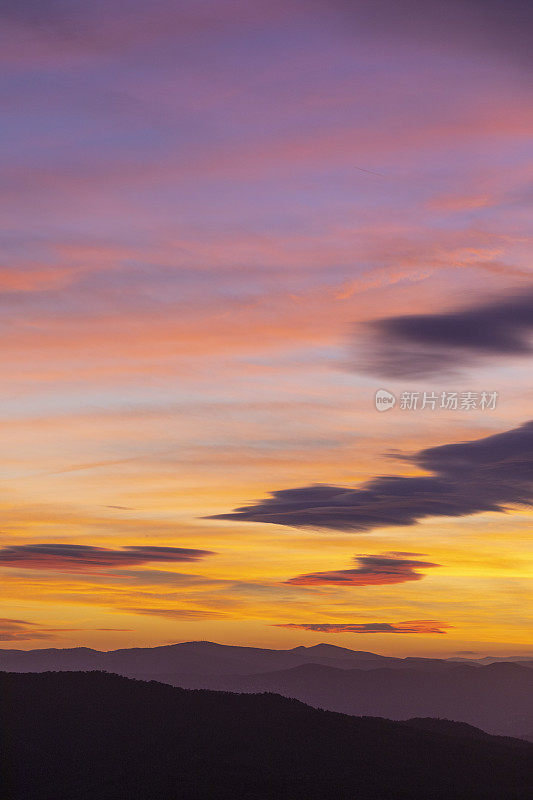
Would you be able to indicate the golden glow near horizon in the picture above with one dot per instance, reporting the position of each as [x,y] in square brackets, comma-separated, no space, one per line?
[199,222]
[481,588]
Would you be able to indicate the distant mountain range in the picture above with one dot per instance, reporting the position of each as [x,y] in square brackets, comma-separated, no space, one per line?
[495,696]
[200,658]
[208,658]
[95,736]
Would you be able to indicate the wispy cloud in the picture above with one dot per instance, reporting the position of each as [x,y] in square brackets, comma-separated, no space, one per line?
[78,557]
[20,630]
[14,630]
[184,614]
[370,570]
[409,626]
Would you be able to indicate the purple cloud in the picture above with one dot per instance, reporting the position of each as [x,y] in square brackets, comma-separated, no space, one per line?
[487,474]
[370,570]
[409,626]
[79,558]
[420,345]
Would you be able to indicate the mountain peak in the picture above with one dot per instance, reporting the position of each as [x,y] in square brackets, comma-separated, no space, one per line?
[324,648]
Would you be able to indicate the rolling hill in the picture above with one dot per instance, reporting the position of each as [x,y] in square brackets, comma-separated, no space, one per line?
[495,696]
[96,736]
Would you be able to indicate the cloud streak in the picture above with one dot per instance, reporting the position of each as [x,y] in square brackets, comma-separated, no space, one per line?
[370,570]
[421,345]
[483,475]
[13,630]
[184,614]
[80,558]
[409,626]
[20,630]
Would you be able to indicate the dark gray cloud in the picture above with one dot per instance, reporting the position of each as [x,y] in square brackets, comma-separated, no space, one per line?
[370,570]
[487,474]
[485,27]
[79,557]
[409,626]
[421,345]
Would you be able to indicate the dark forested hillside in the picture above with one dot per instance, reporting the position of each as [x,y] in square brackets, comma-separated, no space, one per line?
[95,736]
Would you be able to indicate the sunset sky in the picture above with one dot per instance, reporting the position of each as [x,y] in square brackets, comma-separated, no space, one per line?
[226,224]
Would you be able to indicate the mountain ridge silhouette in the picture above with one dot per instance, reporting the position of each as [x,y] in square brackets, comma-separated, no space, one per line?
[87,735]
